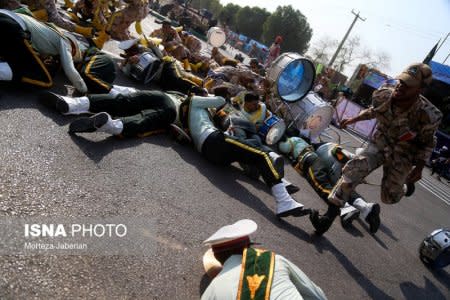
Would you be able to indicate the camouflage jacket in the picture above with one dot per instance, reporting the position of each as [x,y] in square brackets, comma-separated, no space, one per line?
[407,133]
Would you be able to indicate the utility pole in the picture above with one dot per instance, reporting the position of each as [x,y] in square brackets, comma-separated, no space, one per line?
[345,37]
[448,34]
[446,59]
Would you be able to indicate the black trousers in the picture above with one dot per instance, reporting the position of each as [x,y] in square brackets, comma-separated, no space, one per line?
[172,78]
[16,49]
[98,72]
[318,176]
[223,150]
[141,112]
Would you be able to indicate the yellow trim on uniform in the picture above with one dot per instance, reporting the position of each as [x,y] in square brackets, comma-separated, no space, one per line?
[93,78]
[270,281]
[178,73]
[150,133]
[241,277]
[317,184]
[41,64]
[113,18]
[251,149]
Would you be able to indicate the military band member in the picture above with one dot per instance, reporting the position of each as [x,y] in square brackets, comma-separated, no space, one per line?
[243,272]
[124,112]
[321,165]
[223,149]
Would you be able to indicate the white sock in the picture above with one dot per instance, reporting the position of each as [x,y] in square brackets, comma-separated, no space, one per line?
[114,127]
[6,73]
[363,207]
[78,105]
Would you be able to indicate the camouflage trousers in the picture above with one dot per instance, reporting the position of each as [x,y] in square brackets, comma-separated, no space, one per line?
[396,167]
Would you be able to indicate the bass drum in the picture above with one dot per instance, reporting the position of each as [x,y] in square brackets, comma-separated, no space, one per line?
[312,115]
[293,76]
[216,37]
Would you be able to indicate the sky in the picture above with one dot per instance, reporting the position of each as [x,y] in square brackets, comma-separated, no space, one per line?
[405,29]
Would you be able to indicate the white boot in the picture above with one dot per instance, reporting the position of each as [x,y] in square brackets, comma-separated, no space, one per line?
[363,207]
[123,90]
[6,73]
[277,162]
[348,214]
[286,206]
[114,127]
[76,106]
[101,122]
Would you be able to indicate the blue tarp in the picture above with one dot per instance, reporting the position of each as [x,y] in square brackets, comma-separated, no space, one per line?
[440,72]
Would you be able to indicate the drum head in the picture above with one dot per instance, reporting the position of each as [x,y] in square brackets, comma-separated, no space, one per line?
[216,37]
[275,132]
[296,80]
[293,76]
[318,120]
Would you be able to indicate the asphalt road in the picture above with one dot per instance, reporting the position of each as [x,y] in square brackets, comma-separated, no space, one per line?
[46,172]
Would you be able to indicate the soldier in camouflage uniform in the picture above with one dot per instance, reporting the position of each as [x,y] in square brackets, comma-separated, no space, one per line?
[402,143]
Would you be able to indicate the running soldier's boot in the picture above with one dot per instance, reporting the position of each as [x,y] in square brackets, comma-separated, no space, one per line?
[409,189]
[373,218]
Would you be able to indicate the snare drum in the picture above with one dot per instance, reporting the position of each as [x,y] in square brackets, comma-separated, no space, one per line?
[293,76]
[145,68]
[311,114]
[216,37]
[272,129]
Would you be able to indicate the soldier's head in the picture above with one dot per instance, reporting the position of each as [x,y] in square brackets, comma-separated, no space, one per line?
[166,25]
[411,82]
[228,240]
[251,102]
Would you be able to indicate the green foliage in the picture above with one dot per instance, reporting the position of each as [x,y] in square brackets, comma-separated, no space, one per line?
[249,20]
[228,15]
[259,24]
[292,25]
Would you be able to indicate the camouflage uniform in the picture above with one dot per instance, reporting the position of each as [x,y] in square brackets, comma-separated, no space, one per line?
[135,10]
[401,140]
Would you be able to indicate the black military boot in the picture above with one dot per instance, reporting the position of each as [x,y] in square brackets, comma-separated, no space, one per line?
[323,223]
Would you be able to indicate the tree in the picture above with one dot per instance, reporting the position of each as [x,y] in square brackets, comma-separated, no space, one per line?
[347,53]
[292,25]
[320,52]
[351,54]
[249,20]
[228,14]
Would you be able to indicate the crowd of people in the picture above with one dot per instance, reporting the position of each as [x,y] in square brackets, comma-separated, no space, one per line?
[214,102]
